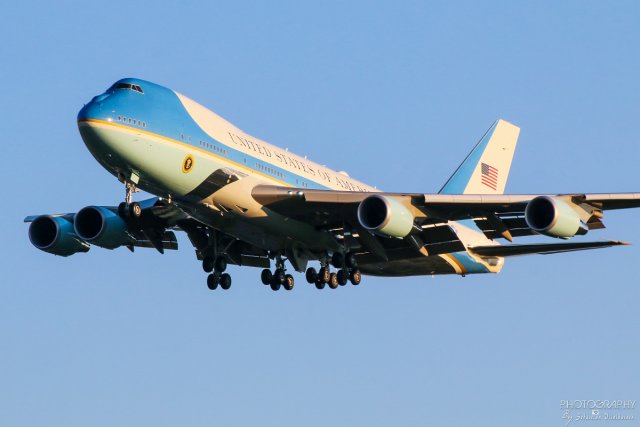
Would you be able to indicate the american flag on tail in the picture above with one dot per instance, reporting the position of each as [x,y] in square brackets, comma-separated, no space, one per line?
[489,176]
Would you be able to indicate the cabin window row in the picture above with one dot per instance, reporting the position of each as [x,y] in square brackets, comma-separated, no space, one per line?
[269,170]
[131,121]
[213,147]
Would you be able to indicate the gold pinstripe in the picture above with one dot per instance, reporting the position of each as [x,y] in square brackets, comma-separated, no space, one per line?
[454,262]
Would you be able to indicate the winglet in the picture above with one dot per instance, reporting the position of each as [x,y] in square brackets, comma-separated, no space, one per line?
[486,169]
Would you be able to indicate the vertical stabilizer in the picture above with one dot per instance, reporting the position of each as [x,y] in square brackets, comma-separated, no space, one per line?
[486,169]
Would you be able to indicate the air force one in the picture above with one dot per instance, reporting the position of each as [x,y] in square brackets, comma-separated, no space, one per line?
[245,202]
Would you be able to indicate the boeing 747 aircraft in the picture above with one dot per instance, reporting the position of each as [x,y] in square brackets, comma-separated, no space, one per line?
[245,202]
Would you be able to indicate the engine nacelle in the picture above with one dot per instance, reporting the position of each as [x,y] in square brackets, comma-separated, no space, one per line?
[553,217]
[102,227]
[385,216]
[55,235]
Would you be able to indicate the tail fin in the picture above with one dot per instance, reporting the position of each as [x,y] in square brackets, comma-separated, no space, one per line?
[486,169]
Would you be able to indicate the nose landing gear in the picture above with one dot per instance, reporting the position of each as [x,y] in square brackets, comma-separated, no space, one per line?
[129,209]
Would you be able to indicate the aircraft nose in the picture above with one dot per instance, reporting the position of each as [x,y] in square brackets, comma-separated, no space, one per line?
[100,98]
[94,108]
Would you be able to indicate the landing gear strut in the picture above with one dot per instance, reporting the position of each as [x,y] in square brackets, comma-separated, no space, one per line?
[209,264]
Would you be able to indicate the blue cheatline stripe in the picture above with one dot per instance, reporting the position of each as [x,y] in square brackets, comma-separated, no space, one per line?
[460,178]
[470,265]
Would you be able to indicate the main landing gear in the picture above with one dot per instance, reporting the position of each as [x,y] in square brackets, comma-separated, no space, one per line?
[216,267]
[348,271]
[278,278]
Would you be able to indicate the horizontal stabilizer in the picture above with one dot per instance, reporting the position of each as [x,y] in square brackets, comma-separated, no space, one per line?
[548,248]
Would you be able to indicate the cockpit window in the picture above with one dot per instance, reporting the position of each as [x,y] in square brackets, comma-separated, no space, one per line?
[128,86]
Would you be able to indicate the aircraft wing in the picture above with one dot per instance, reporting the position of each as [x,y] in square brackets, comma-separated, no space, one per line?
[497,215]
[155,229]
[543,249]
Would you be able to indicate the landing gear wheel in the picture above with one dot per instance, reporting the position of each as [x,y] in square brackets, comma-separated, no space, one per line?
[275,285]
[350,260]
[288,282]
[122,210]
[355,277]
[343,277]
[220,264]
[337,260]
[225,281]
[320,284]
[212,281]
[266,276]
[279,276]
[333,281]
[135,210]
[207,264]
[325,275]
[311,275]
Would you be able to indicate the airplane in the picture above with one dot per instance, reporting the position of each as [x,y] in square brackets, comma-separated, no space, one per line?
[245,202]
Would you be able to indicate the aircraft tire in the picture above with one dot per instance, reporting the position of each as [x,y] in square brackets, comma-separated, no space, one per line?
[135,210]
[122,210]
[207,264]
[275,285]
[225,281]
[355,277]
[311,275]
[288,282]
[333,281]
[320,284]
[266,276]
[324,275]
[350,260]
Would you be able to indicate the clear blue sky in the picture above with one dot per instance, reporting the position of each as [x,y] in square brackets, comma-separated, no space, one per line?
[396,93]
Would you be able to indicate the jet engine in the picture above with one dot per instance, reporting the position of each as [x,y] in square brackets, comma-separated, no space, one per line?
[54,234]
[102,227]
[385,216]
[553,217]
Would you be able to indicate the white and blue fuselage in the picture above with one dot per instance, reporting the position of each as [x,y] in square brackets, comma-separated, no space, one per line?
[171,146]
